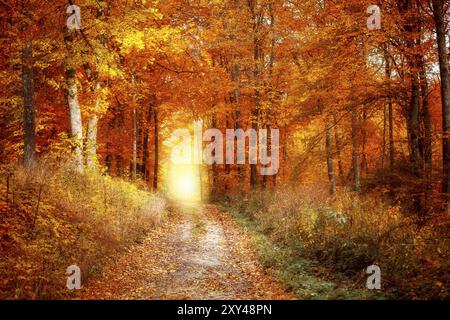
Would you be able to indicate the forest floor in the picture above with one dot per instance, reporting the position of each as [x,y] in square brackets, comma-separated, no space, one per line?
[199,252]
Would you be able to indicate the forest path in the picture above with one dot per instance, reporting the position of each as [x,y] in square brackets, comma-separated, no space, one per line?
[199,252]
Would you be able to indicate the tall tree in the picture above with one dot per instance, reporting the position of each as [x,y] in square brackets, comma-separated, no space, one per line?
[439,10]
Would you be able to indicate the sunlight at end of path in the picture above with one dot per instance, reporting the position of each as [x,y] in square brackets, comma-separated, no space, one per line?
[184,183]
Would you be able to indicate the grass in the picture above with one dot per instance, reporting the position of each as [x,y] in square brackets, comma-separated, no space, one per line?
[303,277]
[301,232]
[52,217]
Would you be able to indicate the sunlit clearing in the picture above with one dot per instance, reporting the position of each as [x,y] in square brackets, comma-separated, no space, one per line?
[184,183]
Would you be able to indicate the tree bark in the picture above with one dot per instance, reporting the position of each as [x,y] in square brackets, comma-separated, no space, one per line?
[156,146]
[135,134]
[355,144]
[388,74]
[364,165]
[329,152]
[391,134]
[383,149]
[413,125]
[237,101]
[438,13]
[29,106]
[337,139]
[214,165]
[91,136]
[256,75]
[76,125]
[413,112]
[427,136]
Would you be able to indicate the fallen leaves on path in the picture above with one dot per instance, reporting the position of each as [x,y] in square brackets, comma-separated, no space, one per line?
[199,252]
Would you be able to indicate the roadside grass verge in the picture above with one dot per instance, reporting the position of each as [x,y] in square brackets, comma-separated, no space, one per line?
[52,218]
[303,277]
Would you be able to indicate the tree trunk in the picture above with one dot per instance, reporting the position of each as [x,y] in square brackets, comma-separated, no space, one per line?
[412,29]
[427,137]
[388,74]
[413,125]
[237,101]
[438,13]
[383,149]
[390,114]
[156,146]
[329,151]
[91,136]
[29,107]
[426,141]
[214,165]
[134,146]
[135,131]
[364,166]
[145,146]
[337,139]
[391,134]
[257,93]
[76,125]
[355,143]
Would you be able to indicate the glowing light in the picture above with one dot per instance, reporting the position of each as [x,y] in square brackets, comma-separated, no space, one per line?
[184,182]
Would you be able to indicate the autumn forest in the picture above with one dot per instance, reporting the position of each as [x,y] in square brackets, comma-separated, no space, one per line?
[224,149]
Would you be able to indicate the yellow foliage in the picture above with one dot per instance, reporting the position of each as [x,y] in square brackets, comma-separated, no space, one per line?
[57,219]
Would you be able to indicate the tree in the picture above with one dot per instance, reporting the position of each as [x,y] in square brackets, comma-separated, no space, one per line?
[29,107]
[439,11]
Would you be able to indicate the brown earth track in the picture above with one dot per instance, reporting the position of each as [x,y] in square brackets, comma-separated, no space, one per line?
[199,252]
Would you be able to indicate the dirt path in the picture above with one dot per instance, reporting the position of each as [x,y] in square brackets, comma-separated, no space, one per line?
[199,253]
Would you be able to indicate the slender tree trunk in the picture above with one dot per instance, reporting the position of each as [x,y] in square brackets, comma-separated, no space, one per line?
[413,125]
[383,150]
[29,107]
[439,16]
[91,136]
[271,66]
[387,72]
[427,139]
[390,111]
[91,130]
[355,143]
[214,165]
[391,134]
[329,151]
[145,146]
[134,149]
[156,146]
[285,144]
[237,100]
[257,93]
[364,166]
[135,134]
[337,139]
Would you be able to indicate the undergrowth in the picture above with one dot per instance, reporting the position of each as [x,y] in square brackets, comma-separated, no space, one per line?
[303,277]
[299,231]
[52,217]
